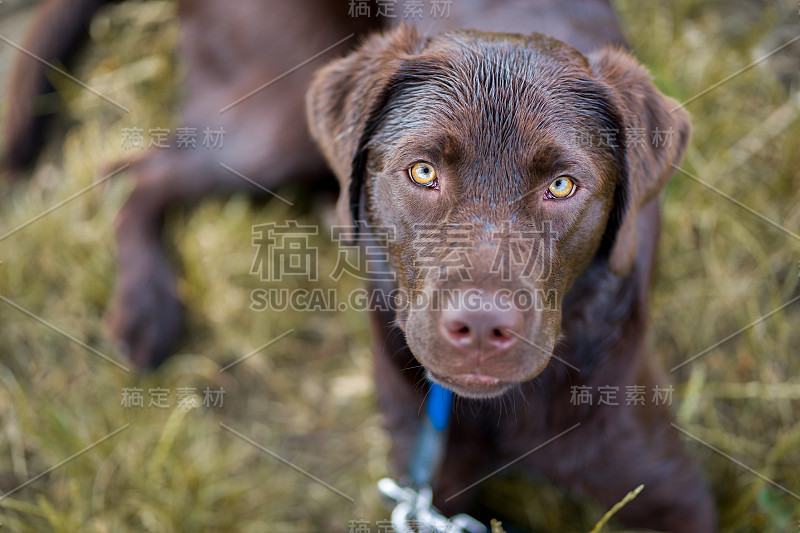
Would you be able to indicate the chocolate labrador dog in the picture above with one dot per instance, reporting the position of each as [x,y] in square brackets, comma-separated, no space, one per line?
[520,175]
[510,164]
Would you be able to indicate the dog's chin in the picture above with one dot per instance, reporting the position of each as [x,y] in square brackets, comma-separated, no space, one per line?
[477,386]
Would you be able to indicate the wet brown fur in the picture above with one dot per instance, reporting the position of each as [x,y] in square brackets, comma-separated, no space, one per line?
[496,115]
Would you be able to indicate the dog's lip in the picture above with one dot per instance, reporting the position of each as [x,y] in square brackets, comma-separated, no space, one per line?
[472,384]
[478,379]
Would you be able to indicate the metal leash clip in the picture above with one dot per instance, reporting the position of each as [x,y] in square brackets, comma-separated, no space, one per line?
[415,513]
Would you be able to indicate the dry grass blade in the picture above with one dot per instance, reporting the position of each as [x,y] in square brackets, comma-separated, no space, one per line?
[614,510]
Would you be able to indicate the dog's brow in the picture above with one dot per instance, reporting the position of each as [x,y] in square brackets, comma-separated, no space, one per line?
[435,147]
[445,147]
[549,158]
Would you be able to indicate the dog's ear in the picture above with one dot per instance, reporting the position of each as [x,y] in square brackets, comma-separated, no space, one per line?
[344,104]
[654,131]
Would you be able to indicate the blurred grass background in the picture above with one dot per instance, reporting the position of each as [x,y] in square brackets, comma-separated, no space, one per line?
[309,397]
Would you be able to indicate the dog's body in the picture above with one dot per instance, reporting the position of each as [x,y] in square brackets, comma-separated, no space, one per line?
[496,115]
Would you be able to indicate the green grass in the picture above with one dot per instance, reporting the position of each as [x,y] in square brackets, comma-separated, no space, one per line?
[309,398]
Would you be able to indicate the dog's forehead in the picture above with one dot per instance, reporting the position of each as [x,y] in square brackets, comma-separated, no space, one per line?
[521,65]
[470,45]
[501,85]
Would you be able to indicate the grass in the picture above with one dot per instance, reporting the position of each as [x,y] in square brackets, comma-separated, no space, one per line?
[309,398]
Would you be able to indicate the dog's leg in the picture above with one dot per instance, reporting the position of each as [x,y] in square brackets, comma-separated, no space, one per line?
[146,313]
[400,387]
[675,497]
[465,463]
[53,35]
[644,449]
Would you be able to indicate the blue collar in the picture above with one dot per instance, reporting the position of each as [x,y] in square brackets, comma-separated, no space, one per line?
[431,436]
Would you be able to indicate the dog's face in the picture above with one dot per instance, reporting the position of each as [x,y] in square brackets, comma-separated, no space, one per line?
[503,165]
[496,205]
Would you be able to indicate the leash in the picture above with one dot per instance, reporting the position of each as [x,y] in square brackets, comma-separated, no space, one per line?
[414,511]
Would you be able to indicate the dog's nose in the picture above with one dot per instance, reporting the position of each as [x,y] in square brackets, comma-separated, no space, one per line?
[483,327]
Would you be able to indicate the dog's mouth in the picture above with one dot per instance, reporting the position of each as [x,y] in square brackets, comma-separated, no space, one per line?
[473,385]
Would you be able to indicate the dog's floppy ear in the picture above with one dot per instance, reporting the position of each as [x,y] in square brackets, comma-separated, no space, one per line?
[655,132]
[345,101]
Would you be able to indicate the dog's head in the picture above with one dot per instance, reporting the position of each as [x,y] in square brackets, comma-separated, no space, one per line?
[504,164]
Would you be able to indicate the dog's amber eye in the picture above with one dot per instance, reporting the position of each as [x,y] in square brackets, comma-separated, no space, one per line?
[562,187]
[422,174]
